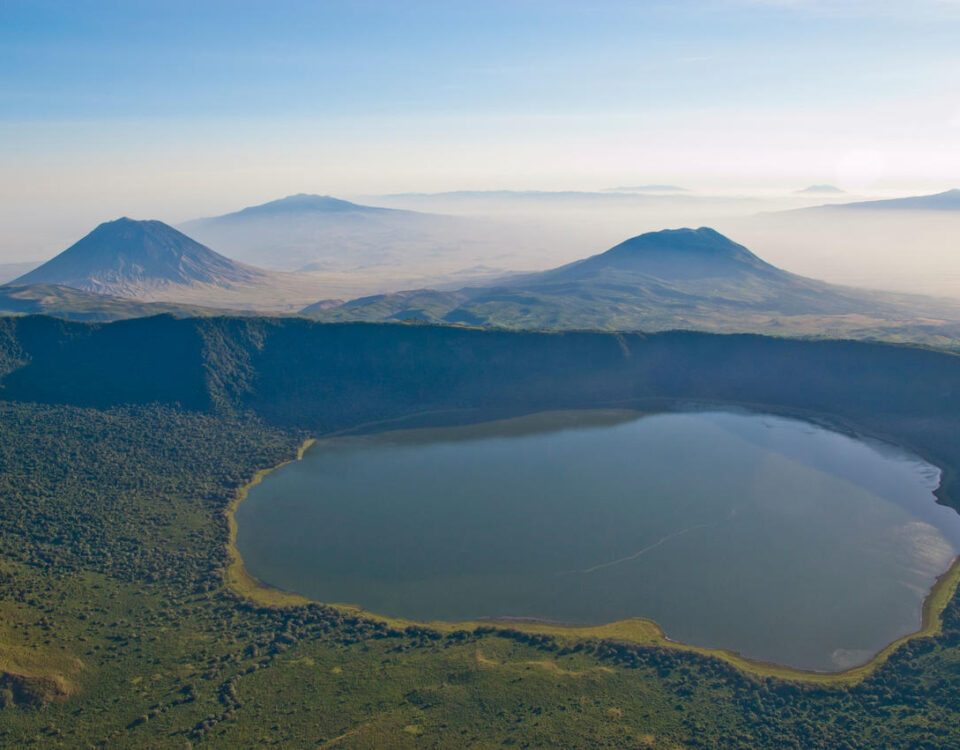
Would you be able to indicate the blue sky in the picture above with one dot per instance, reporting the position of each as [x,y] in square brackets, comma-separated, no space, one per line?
[108,59]
[197,106]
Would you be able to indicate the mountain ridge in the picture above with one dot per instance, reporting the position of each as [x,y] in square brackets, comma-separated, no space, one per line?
[320,233]
[299,202]
[948,200]
[821,189]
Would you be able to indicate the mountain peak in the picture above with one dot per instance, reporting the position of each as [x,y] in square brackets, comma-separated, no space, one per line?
[306,203]
[673,254]
[124,255]
[688,243]
[821,189]
[685,237]
[126,224]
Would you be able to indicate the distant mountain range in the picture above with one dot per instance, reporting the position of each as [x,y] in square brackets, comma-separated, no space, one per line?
[948,200]
[905,244]
[629,194]
[318,233]
[684,278]
[299,204]
[647,189]
[822,189]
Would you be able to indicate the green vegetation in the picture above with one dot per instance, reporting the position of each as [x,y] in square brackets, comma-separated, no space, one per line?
[75,304]
[122,447]
[236,575]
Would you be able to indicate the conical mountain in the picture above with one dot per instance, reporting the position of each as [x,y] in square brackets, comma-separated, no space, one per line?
[668,254]
[677,278]
[129,258]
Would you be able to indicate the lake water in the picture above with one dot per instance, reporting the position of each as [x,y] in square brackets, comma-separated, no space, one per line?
[774,537]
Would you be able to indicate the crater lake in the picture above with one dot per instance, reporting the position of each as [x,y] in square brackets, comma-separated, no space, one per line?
[778,538]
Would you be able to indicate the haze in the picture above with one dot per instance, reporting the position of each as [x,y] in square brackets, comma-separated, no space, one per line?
[113,109]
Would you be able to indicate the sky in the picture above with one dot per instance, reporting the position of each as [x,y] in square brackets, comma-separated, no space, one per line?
[176,109]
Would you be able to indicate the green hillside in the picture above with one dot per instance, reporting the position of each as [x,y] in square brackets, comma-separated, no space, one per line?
[74,304]
[122,445]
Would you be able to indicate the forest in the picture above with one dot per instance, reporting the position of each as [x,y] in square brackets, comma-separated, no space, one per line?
[123,445]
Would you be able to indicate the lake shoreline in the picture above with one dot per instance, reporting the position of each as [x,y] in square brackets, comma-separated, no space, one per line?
[640,631]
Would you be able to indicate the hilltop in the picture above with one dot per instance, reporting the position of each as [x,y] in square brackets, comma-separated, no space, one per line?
[821,189]
[681,278]
[319,233]
[302,203]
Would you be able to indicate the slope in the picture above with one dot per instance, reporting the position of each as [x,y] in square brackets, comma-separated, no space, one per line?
[948,200]
[75,304]
[128,257]
[318,233]
[150,261]
[684,278]
[114,542]
[901,244]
